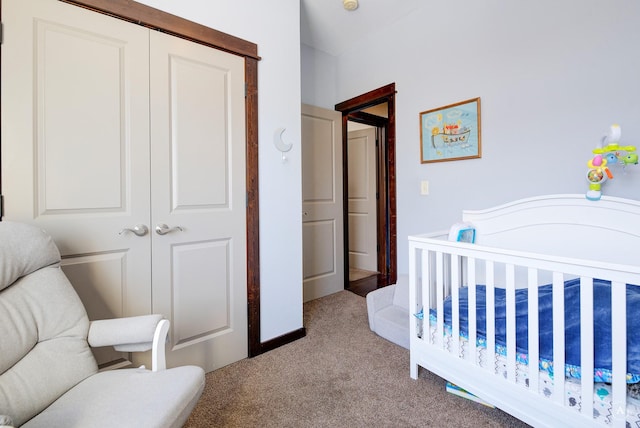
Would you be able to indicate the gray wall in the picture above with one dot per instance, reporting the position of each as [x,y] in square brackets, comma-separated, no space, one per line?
[552,77]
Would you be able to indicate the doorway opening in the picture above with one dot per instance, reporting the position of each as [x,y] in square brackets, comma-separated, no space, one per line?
[374,109]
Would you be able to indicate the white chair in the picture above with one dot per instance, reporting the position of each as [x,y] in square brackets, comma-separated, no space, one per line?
[388,311]
[48,375]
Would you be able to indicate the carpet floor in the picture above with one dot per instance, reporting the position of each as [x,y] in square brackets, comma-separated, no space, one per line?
[340,375]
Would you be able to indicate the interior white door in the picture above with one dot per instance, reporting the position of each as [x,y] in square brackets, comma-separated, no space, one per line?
[88,152]
[322,216]
[75,146]
[361,154]
[198,192]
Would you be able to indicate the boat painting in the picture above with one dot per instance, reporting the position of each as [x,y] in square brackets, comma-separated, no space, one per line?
[442,140]
[451,132]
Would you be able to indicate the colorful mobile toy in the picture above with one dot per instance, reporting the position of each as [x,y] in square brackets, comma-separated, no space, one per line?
[608,154]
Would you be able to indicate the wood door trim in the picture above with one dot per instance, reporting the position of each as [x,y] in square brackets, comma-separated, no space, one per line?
[369,99]
[253,212]
[387,234]
[149,17]
[156,19]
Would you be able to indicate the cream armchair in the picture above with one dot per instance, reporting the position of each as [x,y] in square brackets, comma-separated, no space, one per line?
[48,375]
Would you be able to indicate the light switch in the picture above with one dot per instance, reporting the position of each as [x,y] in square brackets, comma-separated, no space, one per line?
[424,187]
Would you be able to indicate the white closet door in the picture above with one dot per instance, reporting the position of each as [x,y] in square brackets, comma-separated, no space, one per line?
[75,145]
[198,192]
[362,200]
[322,216]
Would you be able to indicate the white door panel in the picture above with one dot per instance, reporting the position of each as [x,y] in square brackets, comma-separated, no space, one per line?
[93,277]
[198,176]
[362,200]
[74,123]
[322,227]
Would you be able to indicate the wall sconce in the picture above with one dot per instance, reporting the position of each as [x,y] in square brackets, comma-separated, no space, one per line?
[280,144]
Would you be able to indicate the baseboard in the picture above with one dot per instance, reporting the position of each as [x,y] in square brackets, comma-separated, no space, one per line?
[277,342]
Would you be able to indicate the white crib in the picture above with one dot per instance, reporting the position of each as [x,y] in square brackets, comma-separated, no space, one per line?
[520,247]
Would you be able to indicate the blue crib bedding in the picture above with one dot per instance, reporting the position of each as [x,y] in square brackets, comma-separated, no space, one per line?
[602,326]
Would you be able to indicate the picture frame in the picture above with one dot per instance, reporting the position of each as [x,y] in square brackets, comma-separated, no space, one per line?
[451,132]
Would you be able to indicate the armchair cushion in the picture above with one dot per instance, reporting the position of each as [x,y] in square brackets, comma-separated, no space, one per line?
[5,421]
[169,397]
[24,249]
[43,325]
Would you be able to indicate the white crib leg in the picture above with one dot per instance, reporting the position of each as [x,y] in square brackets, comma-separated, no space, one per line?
[413,368]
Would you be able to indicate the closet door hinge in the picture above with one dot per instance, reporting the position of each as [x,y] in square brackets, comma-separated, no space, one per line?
[1,33]
[1,206]
[245,89]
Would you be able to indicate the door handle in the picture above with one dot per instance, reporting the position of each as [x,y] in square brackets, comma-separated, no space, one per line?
[138,229]
[163,229]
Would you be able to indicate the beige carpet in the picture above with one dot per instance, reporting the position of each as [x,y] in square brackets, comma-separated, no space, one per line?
[339,375]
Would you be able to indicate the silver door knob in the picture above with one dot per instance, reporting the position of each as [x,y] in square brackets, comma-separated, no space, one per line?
[138,229]
[163,229]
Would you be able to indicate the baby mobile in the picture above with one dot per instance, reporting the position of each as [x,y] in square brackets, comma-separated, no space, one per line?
[607,154]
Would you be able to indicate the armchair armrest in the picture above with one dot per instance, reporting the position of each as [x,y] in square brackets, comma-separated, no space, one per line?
[133,334]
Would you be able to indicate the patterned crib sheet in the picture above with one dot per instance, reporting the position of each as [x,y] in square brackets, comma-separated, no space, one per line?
[602,325]
[573,399]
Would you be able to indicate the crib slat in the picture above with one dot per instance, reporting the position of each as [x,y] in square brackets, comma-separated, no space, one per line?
[472,315]
[511,322]
[455,305]
[426,286]
[439,339]
[533,345]
[618,352]
[491,316]
[558,337]
[586,344]
[414,303]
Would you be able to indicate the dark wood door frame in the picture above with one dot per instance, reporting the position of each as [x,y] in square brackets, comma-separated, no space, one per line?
[386,213]
[149,17]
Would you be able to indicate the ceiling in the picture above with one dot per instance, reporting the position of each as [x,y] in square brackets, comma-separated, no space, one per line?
[325,24]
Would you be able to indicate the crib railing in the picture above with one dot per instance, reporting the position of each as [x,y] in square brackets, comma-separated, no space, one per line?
[439,268]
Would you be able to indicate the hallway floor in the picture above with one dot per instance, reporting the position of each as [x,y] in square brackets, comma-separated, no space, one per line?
[362,282]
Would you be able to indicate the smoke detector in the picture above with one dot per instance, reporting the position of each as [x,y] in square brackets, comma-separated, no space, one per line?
[350,4]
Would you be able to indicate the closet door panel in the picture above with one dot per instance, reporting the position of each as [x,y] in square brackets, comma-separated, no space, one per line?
[198,135]
[198,186]
[62,101]
[199,309]
[75,145]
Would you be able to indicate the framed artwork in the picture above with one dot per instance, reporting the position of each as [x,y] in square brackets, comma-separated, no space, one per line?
[451,132]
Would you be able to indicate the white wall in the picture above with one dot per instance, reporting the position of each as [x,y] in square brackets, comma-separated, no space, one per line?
[552,77]
[319,78]
[260,22]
